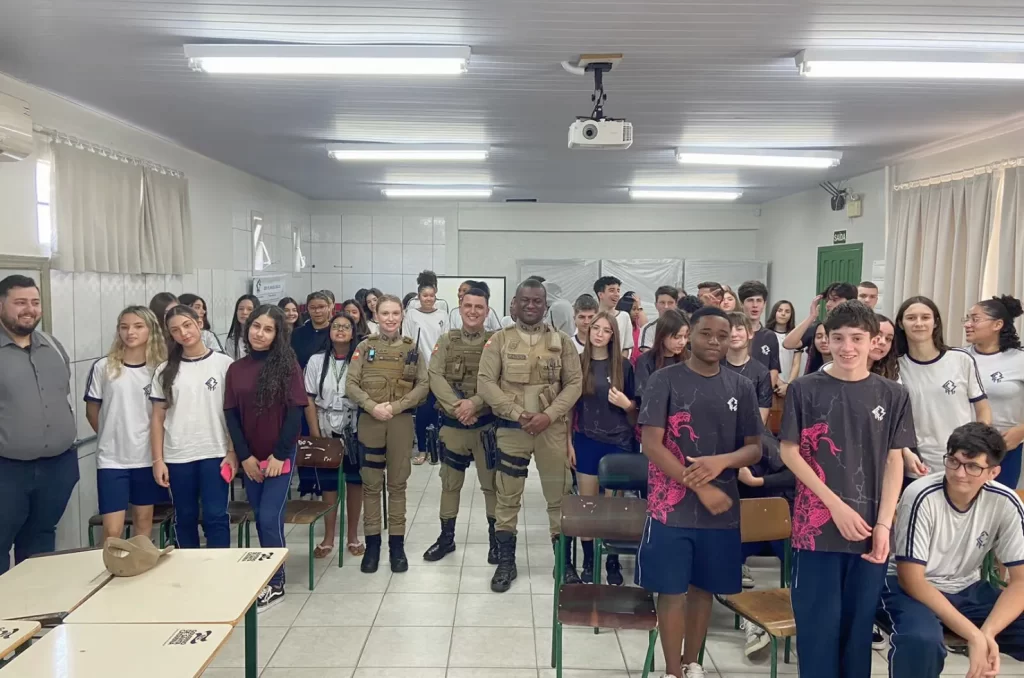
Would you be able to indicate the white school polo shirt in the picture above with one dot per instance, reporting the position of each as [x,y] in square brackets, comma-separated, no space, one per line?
[1002,376]
[125,408]
[194,426]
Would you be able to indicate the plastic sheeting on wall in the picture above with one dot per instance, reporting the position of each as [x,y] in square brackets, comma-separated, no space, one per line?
[724,272]
[573,276]
[644,276]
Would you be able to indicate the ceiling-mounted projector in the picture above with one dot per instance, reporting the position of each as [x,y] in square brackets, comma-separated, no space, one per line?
[596,130]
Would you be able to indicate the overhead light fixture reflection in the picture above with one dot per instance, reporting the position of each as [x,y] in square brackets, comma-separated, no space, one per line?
[452,192]
[760,158]
[407,152]
[683,194]
[910,64]
[329,59]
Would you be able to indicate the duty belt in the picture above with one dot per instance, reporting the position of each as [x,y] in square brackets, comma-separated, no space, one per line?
[455,423]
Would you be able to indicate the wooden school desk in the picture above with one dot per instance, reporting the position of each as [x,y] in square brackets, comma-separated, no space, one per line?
[189,586]
[47,588]
[14,634]
[120,651]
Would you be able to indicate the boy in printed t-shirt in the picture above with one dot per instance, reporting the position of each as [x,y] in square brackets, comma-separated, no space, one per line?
[946,524]
[700,424]
[843,432]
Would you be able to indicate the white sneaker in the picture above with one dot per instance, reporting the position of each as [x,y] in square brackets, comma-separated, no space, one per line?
[694,670]
[747,578]
[757,641]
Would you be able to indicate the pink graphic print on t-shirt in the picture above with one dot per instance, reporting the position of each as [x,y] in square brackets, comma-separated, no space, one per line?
[809,512]
[663,493]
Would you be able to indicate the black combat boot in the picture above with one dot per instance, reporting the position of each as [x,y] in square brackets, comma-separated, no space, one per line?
[371,557]
[506,570]
[587,573]
[445,544]
[492,549]
[571,575]
[396,553]
[614,570]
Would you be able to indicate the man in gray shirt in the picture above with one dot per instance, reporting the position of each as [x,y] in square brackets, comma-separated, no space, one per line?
[38,462]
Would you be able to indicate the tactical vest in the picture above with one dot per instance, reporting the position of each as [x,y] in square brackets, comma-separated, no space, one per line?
[532,375]
[389,368]
[463,363]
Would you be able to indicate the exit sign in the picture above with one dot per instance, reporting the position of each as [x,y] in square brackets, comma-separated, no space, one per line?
[838,237]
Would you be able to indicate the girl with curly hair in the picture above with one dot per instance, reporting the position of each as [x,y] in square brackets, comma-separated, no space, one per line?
[264,401]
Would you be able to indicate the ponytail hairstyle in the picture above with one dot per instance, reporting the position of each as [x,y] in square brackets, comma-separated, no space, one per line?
[189,299]
[236,331]
[280,365]
[156,346]
[615,372]
[889,366]
[1005,309]
[328,351]
[175,352]
[424,280]
[668,325]
[159,304]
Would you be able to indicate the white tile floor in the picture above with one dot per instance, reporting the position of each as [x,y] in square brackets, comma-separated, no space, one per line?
[441,620]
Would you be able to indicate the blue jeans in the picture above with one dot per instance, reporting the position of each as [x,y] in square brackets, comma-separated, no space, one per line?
[194,482]
[267,500]
[835,596]
[916,647]
[426,414]
[1009,470]
[33,496]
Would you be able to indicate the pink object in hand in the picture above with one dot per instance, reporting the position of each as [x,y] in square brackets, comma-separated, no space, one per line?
[225,473]
[287,468]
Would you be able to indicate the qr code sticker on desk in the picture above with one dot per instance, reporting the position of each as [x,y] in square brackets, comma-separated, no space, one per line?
[188,637]
[255,556]
[8,633]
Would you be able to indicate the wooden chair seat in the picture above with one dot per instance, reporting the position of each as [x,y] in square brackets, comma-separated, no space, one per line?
[161,513]
[610,607]
[593,518]
[770,609]
[304,511]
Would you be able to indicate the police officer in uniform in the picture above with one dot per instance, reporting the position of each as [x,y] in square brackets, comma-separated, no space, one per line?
[387,380]
[464,419]
[530,376]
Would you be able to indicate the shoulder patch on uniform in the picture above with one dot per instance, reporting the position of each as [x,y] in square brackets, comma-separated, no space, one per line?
[436,346]
[406,340]
[355,356]
[489,342]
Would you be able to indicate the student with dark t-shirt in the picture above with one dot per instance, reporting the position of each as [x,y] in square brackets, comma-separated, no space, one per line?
[802,336]
[700,423]
[583,313]
[739,360]
[264,400]
[603,420]
[671,335]
[315,336]
[764,347]
[843,434]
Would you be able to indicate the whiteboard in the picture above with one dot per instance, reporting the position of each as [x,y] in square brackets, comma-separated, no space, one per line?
[448,291]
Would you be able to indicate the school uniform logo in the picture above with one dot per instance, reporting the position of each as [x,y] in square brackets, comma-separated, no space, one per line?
[211,384]
[732,403]
[949,387]
[878,413]
[765,350]
[148,390]
[982,540]
[996,377]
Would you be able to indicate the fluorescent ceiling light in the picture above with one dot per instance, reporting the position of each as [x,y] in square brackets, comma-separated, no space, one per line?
[682,194]
[909,64]
[407,152]
[445,192]
[329,59]
[759,158]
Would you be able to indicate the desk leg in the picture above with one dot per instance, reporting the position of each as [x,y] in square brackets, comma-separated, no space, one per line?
[251,644]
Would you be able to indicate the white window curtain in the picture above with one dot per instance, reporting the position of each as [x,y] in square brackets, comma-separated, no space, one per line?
[97,208]
[167,223]
[644,276]
[1010,272]
[938,245]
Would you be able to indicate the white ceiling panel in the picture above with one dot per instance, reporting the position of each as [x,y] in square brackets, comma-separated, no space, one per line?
[702,72]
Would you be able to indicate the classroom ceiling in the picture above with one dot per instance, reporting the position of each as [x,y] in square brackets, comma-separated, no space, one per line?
[702,72]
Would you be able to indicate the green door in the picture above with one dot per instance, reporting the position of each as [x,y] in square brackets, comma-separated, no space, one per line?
[839,263]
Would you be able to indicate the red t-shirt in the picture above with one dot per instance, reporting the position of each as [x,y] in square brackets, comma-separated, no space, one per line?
[261,429]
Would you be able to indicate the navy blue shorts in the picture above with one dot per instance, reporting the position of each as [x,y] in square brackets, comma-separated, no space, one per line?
[589,453]
[118,487]
[670,559]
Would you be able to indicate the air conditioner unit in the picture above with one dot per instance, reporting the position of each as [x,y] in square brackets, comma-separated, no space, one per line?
[15,129]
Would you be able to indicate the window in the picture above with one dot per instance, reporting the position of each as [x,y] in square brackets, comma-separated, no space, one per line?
[44,220]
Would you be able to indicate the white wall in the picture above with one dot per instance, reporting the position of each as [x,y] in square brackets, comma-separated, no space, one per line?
[965,153]
[85,305]
[794,227]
